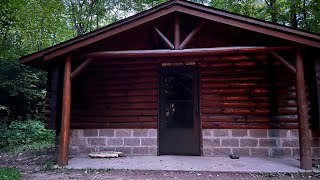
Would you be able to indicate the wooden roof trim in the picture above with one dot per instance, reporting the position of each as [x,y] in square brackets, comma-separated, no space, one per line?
[251,27]
[185,7]
[165,7]
[106,34]
[248,19]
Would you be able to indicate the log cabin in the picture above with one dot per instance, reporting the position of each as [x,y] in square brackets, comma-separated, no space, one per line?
[185,79]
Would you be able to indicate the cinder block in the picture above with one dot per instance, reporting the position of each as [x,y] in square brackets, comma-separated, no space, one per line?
[281,152]
[207,151]
[97,141]
[315,153]
[132,141]
[153,151]
[239,132]
[140,132]
[115,141]
[107,148]
[73,150]
[106,132]
[152,132]
[221,151]
[123,132]
[206,132]
[262,133]
[295,152]
[148,142]
[240,151]
[220,133]
[279,133]
[75,133]
[125,150]
[290,143]
[248,142]
[90,132]
[140,150]
[207,142]
[269,143]
[294,133]
[259,152]
[76,141]
[230,142]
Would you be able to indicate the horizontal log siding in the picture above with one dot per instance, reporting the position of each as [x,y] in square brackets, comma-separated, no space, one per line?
[116,94]
[247,93]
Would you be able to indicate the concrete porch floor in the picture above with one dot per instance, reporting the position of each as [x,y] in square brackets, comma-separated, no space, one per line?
[189,163]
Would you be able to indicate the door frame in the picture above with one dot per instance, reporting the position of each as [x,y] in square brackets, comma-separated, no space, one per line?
[196,102]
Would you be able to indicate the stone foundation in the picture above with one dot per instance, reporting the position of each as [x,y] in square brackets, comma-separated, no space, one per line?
[129,141]
[254,143]
[216,142]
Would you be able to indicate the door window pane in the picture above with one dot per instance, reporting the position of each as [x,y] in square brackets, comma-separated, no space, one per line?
[179,104]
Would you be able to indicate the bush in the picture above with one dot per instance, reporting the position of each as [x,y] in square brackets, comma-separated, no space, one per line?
[7,173]
[22,135]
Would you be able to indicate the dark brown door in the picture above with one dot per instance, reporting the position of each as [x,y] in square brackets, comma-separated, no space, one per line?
[179,124]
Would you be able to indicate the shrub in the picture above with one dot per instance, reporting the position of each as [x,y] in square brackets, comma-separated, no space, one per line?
[7,173]
[29,134]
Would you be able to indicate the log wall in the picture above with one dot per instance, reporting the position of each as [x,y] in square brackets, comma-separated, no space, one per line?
[235,92]
[116,94]
[246,92]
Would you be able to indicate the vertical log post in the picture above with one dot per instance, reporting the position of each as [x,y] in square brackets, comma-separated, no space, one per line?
[304,132]
[176,32]
[65,119]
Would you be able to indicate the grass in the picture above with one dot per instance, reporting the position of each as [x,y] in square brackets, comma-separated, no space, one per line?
[8,173]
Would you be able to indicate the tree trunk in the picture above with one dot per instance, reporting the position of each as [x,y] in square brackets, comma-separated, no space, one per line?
[293,13]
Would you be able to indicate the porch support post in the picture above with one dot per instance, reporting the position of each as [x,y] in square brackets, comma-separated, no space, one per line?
[176,32]
[65,119]
[304,132]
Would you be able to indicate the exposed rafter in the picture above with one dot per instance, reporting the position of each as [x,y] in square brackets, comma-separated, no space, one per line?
[191,35]
[164,38]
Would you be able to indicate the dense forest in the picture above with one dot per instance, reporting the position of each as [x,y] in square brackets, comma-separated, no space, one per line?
[27,26]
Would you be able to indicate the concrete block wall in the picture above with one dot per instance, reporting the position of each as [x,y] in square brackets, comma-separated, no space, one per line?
[254,143]
[215,142]
[129,141]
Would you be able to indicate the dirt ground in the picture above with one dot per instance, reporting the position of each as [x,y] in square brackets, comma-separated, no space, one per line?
[40,166]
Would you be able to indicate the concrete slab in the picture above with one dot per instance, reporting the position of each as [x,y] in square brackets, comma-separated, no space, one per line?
[189,163]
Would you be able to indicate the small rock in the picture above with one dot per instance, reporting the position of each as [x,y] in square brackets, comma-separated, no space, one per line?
[234,156]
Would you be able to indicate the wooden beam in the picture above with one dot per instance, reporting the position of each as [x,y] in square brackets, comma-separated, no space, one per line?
[176,32]
[164,38]
[190,36]
[65,119]
[303,123]
[80,68]
[185,52]
[283,61]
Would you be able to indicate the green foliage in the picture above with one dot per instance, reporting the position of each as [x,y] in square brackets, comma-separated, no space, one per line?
[8,173]
[23,135]
[48,165]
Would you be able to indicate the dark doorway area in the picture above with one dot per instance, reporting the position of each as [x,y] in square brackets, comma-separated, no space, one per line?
[179,124]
